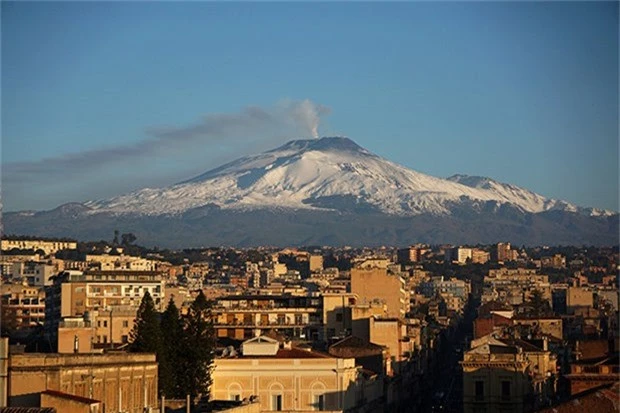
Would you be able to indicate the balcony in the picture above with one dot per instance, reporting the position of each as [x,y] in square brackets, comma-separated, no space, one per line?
[260,324]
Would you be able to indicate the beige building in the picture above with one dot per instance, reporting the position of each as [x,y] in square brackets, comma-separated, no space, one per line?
[107,262]
[287,379]
[479,256]
[495,379]
[49,247]
[316,263]
[122,382]
[33,272]
[96,294]
[578,297]
[391,334]
[503,252]
[337,316]
[508,374]
[246,316]
[377,285]
[22,306]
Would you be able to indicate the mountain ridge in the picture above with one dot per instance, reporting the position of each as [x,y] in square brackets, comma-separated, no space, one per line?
[302,173]
[327,191]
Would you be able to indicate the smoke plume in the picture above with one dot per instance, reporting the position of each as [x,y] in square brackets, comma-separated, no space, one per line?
[287,119]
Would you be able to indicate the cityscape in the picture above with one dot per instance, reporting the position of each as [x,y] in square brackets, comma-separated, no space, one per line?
[87,328]
[349,207]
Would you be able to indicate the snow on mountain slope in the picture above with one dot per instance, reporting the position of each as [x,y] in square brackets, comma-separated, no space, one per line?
[302,173]
[512,193]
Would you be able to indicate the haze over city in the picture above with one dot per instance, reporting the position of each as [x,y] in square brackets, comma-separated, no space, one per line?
[101,98]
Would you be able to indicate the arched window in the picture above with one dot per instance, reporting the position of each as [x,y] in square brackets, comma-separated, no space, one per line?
[318,396]
[276,395]
[234,391]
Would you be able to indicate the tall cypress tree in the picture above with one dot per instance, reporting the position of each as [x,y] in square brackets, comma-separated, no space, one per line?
[146,334]
[169,362]
[198,348]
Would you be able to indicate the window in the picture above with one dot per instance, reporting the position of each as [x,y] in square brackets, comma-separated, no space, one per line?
[125,339]
[319,402]
[105,323]
[105,339]
[479,390]
[235,397]
[125,323]
[505,389]
[276,402]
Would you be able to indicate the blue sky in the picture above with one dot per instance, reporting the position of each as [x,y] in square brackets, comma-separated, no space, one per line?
[102,98]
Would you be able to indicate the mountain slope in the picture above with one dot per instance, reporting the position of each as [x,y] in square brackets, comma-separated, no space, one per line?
[327,191]
[328,173]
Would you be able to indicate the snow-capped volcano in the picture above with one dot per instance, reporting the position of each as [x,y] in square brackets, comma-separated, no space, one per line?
[327,173]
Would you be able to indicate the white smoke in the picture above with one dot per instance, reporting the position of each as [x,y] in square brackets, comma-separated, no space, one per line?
[306,115]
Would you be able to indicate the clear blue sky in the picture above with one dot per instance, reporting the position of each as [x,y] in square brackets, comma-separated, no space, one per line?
[526,93]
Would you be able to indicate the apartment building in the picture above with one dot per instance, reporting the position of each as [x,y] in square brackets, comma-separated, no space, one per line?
[515,286]
[479,256]
[503,252]
[76,293]
[105,262]
[23,306]
[245,316]
[33,272]
[7,261]
[337,314]
[316,263]
[495,379]
[375,284]
[458,254]
[48,247]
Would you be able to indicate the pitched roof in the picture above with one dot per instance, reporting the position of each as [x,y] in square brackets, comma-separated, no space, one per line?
[603,399]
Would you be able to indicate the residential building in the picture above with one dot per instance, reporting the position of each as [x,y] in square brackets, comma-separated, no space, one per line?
[76,293]
[503,252]
[290,379]
[377,285]
[245,316]
[105,262]
[33,272]
[122,382]
[495,379]
[22,306]
[337,316]
[48,247]
[578,297]
[316,263]
[479,256]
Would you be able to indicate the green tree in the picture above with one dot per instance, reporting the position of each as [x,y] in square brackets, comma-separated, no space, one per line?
[170,369]
[146,334]
[197,349]
[128,239]
[539,306]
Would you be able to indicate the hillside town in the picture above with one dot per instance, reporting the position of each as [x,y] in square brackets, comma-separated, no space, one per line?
[425,328]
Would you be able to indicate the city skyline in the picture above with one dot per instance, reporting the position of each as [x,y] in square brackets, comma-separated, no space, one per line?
[129,95]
